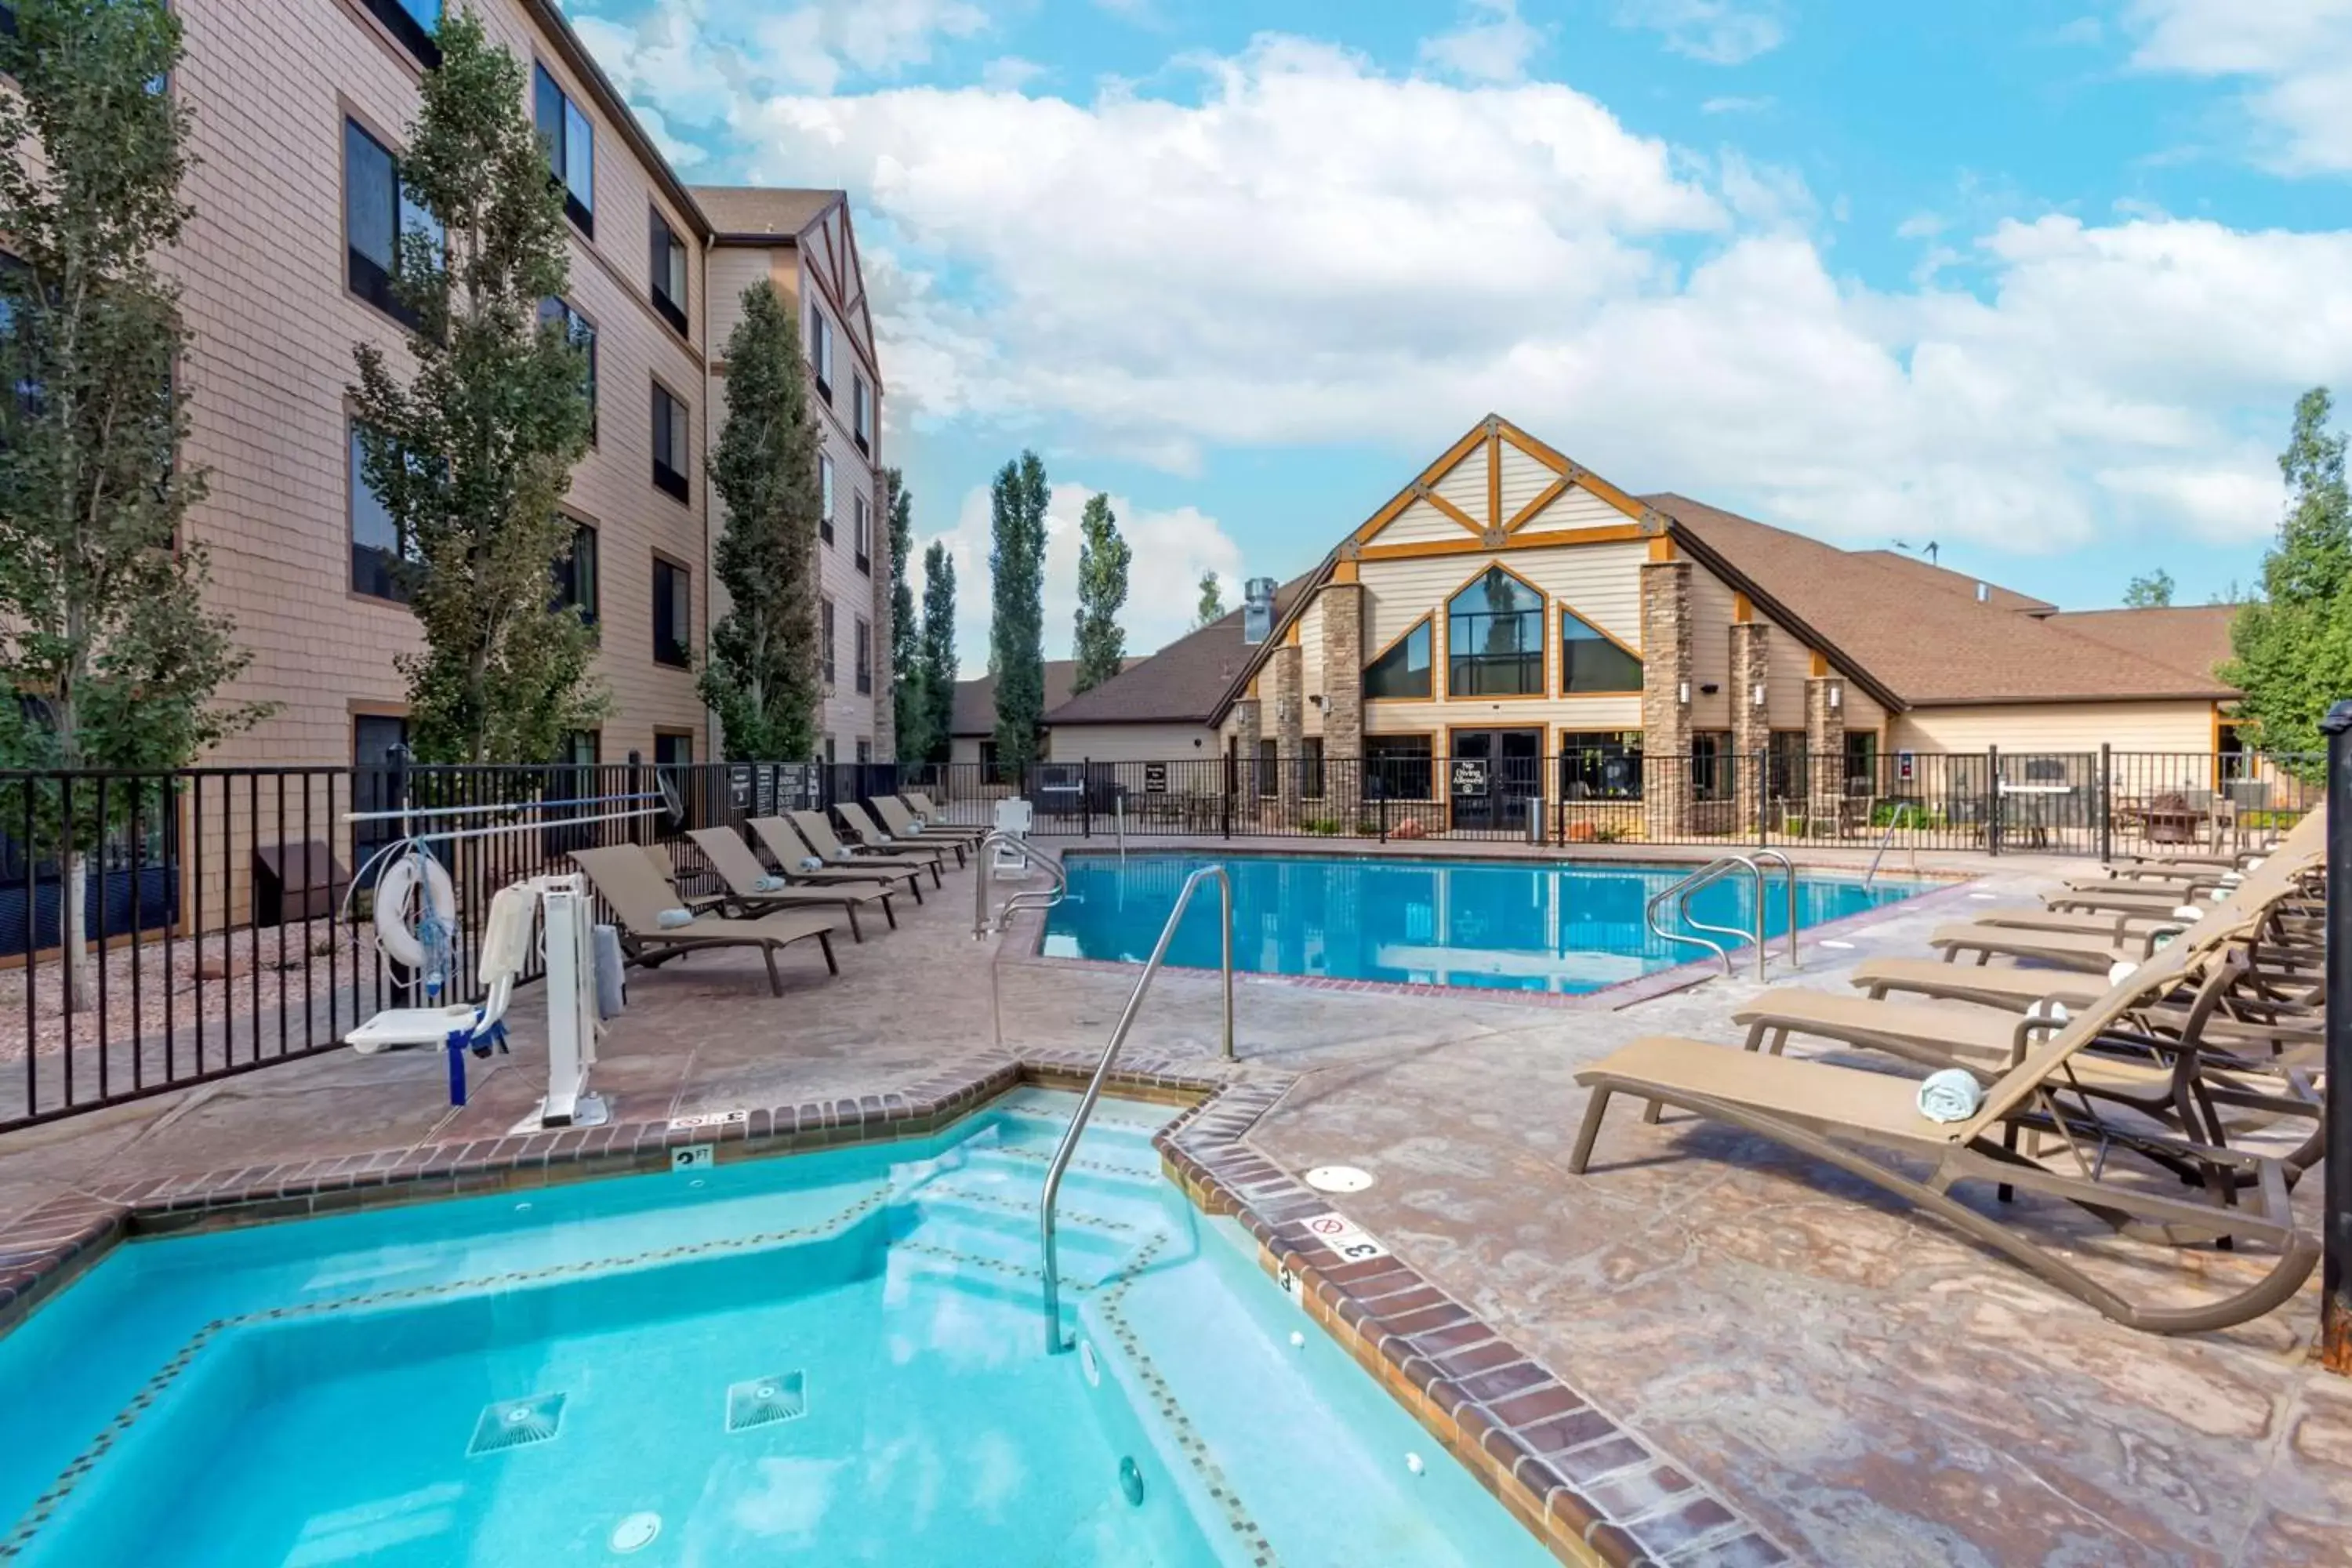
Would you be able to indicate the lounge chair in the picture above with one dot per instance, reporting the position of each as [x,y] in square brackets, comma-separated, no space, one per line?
[812,826]
[627,880]
[752,890]
[872,834]
[1869,1125]
[907,829]
[2062,949]
[927,811]
[793,856]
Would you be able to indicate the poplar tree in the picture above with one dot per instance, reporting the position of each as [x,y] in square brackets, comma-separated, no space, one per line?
[910,705]
[1098,644]
[1212,606]
[939,653]
[108,656]
[2294,644]
[762,678]
[468,437]
[1016,637]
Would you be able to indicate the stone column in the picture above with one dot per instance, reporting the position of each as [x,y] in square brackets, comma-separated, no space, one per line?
[1665,697]
[1243,729]
[1751,724]
[1825,749]
[1343,698]
[1286,666]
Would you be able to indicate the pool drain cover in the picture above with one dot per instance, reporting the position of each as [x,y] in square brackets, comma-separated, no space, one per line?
[516,1422]
[1339,1179]
[1130,1481]
[765,1400]
[636,1533]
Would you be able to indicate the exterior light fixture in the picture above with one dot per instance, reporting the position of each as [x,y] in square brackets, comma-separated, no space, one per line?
[1681,693]
[1758,695]
[1836,694]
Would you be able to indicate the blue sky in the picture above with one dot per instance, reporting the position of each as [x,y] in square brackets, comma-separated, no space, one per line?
[2035,279]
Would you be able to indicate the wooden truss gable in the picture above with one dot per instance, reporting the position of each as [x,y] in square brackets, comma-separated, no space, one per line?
[1498,487]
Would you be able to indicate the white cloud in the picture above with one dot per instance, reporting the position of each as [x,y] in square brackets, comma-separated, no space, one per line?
[1010,73]
[1492,44]
[2294,57]
[688,57]
[1170,549]
[1720,32]
[1734,104]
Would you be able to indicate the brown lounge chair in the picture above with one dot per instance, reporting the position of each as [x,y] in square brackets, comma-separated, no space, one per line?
[907,829]
[1869,1125]
[927,811]
[627,880]
[736,866]
[872,834]
[2061,950]
[792,854]
[812,826]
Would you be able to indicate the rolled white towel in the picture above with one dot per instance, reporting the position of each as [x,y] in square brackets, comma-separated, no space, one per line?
[767,884]
[2121,970]
[810,863]
[670,920]
[2049,1007]
[1951,1095]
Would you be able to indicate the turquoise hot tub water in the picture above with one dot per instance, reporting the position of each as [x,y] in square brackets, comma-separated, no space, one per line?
[833,1358]
[1566,928]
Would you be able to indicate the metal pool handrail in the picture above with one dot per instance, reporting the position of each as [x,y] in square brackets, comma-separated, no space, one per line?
[983,918]
[1893,821]
[1679,893]
[1068,1146]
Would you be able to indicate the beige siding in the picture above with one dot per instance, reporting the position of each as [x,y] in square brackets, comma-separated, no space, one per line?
[2058,727]
[733,270]
[1134,742]
[1789,664]
[1576,507]
[1419,524]
[1465,485]
[1310,667]
[1524,478]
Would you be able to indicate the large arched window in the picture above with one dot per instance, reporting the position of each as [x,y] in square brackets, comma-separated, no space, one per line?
[1590,661]
[1494,638]
[1402,670]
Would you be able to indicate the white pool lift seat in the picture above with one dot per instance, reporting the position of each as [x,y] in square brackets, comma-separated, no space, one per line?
[465,1025]
[1016,818]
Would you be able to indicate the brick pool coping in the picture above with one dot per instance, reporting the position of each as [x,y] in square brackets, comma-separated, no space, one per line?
[1590,1490]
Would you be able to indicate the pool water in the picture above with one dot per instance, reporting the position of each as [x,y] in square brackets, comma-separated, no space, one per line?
[835,1358]
[1564,928]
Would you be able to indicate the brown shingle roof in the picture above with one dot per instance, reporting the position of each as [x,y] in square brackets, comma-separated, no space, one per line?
[975,700]
[2192,639]
[1924,648]
[1183,683]
[1944,580]
[757,211]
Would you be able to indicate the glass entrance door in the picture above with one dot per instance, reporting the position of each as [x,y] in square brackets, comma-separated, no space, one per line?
[1491,774]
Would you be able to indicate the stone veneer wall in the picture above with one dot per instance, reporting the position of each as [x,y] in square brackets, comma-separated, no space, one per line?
[1666,710]
[1289,719]
[1825,743]
[1751,726]
[1343,695]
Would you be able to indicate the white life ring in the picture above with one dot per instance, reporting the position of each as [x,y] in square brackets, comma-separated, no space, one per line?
[398,884]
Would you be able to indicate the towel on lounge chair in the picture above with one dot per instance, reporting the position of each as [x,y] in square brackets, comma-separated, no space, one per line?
[1951,1095]
[672,919]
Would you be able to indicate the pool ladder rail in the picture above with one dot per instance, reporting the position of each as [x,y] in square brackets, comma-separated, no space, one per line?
[1068,1146]
[1671,904]
[985,921]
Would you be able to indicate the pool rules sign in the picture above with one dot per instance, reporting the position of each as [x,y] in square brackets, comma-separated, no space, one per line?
[1344,1236]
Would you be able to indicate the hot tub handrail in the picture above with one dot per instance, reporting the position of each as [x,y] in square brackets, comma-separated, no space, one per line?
[1068,1146]
[985,919]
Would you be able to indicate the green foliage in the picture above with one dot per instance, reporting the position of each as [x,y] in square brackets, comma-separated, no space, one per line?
[472,451]
[1212,606]
[2150,592]
[2294,644]
[763,676]
[1016,635]
[939,653]
[910,710]
[102,623]
[1099,645]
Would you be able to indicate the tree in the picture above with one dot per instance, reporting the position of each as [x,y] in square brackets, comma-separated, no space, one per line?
[2152,592]
[761,678]
[471,452]
[2293,642]
[1212,606]
[1098,644]
[938,656]
[107,657]
[1016,634]
[910,707]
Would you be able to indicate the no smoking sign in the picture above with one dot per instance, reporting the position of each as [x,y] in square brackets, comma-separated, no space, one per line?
[1352,1242]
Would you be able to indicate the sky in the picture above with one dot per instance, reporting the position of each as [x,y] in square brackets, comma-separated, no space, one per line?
[2037,281]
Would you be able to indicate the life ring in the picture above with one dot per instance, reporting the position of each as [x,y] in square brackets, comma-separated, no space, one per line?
[399,883]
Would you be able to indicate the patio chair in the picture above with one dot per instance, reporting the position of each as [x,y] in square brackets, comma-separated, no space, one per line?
[812,826]
[1869,1125]
[751,890]
[904,826]
[804,867]
[625,879]
[927,812]
[2062,950]
[870,836]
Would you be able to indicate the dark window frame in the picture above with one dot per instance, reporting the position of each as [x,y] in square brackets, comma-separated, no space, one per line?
[398,18]
[1401,650]
[825,631]
[824,497]
[1861,750]
[862,646]
[573,567]
[664,252]
[1399,767]
[582,331]
[376,572]
[1269,766]
[673,425]
[862,536]
[1600,764]
[821,351]
[861,412]
[1714,765]
[1607,653]
[676,651]
[1482,672]
[1310,767]
[558,141]
[367,277]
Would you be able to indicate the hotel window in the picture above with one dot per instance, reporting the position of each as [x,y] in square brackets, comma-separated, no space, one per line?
[865,751]
[412,22]
[821,351]
[1403,670]
[668,273]
[1311,768]
[1785,764]
[862,538]
[377,548]
[378,213]
[571,143]
[864,652]
[861,413]
[373,736]
[825,645]
[575,573]
[1714,768]
[1269,765]
[673,614]
[1397,767]
[670,443]
[1493,638]
[1590,662]
[825,498]
[828,751]
[674,766]
[1601,765]
[581,331]
[1861,762]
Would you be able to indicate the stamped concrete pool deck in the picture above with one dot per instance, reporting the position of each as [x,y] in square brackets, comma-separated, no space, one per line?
[1859,1382]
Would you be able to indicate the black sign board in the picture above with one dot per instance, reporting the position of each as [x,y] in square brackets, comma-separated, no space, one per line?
[1155,778]
[739,787]
[1470,776]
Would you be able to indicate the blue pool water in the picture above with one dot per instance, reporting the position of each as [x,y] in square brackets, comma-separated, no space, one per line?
[1567,928]
[834,1358]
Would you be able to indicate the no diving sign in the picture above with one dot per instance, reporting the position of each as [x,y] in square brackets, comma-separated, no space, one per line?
[1350,1241]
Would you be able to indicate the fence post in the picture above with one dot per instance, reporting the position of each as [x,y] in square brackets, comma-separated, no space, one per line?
[1384,816]
[1992,799]
[1763,794]
[2336,1233]
[1086,797]
[1225,802]
[2106,802]
[637,788]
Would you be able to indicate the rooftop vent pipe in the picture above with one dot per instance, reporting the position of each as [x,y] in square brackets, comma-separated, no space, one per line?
[1257,610]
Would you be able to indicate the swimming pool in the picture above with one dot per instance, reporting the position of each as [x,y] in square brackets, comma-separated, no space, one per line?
[1568,928]
[827,1358]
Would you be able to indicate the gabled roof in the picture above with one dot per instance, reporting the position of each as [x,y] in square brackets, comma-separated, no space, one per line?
[758,214]
[975,700]
[1944,580]
[2192,639]
[1190,681]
